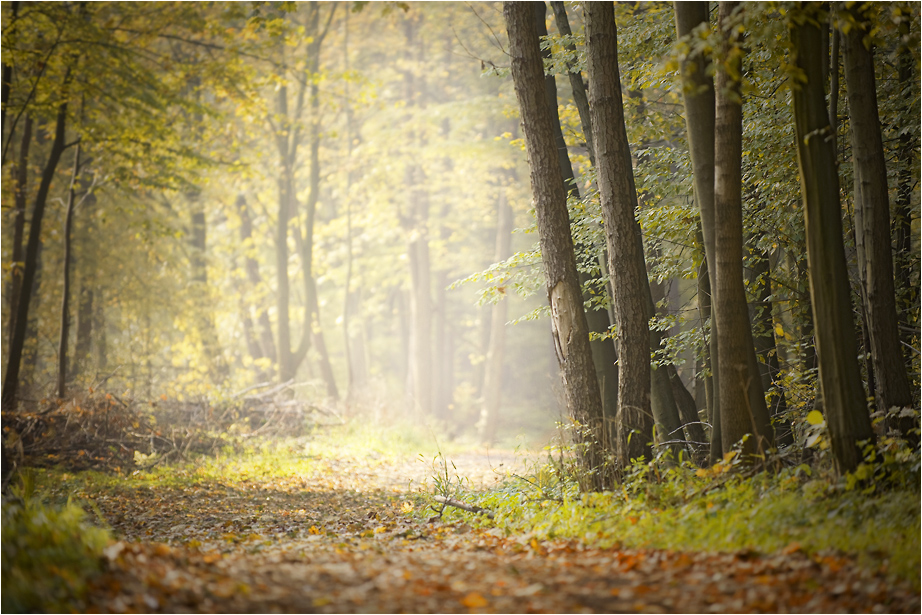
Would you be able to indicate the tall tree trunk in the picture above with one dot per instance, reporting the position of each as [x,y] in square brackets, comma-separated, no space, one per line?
[906,258]
[417,228]
[580,98]
[700,117]
[604,356]
[493,372]
[17,341]
[872,218]
[740,412]
[263,328]
[568,319]
[763,328]
[19,222]
[847,415]
[625,251]
[65,286]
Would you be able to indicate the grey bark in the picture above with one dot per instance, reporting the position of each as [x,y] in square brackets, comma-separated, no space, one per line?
[698,90]
[872,218]
[571,333]
[846,413]
[625,253]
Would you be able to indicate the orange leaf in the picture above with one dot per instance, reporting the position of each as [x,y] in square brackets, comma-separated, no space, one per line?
[794,547]
[474,600]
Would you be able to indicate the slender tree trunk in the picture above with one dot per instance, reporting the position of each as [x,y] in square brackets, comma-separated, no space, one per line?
[604,356]
[763,328]
[493,373]
[872,219]
[580,98]
[17,341]
[65,286]
[19,222]
[625,252]
[847,415]
[740,412]
[906,258]
[700,117]
[568,319]
[263,328]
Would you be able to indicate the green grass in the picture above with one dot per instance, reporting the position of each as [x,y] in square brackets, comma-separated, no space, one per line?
[683,508]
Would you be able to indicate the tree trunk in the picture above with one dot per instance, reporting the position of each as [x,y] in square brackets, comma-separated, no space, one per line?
[906,257]
[65,286]
[263,328]
[741,413]
[571,333]
[846,412]
[872,219]
[17,341]
[493,372]
[19,222]
[580,98]
[698,90]
[625,253]
[763,328]
[604,356]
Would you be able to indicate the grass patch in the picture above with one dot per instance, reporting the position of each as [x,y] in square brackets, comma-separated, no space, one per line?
[689,509]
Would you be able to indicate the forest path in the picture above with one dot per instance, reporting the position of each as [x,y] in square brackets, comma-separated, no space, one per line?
[344,539]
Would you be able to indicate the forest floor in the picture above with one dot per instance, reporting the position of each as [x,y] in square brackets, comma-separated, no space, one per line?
[347,532]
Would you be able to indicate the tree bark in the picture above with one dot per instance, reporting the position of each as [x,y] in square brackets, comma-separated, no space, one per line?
[872,218]
[906,258]
[580,98]
[17,342]
[625,253]
[571,333]
[65,285]
[19,222]
[698,90]
[846,412]
[493,372]
[604,356]
[741,413]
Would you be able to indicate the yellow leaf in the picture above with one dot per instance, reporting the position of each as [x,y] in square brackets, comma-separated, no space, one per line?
[779,330]
[815,417]
[474,600]
[314,530]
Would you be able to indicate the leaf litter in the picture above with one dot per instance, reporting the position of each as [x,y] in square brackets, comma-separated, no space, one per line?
[348,537]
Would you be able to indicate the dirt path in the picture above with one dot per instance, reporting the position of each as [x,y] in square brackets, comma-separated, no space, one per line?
[341,540]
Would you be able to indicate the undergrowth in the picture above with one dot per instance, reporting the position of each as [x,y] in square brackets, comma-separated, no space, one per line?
[49,552]
[872,514]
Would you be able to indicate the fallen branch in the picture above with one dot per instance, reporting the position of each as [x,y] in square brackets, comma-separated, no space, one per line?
[463,506]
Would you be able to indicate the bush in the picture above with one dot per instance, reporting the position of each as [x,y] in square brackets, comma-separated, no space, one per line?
[49,553]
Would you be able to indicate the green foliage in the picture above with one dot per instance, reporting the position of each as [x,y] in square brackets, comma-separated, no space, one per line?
[49,553]
[727,508]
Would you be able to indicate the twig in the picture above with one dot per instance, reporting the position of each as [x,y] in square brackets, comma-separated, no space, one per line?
[468,507]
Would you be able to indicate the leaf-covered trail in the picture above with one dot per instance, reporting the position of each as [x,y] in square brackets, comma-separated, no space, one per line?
[342,539]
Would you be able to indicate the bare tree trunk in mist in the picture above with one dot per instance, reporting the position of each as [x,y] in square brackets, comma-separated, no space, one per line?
[65,285]
[568,319]
[416,225]
[31,258]
[19,221]
[493,370]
